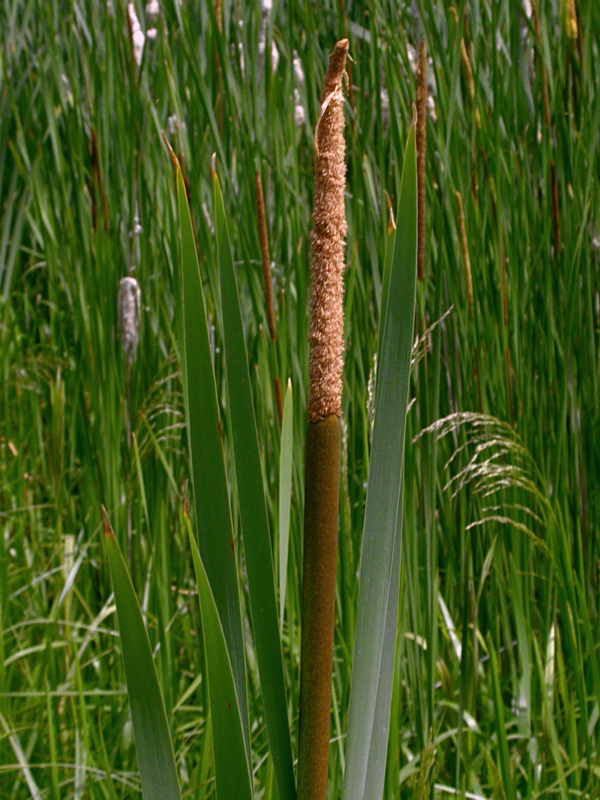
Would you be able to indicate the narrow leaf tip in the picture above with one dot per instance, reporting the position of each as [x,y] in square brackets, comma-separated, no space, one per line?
[108,531]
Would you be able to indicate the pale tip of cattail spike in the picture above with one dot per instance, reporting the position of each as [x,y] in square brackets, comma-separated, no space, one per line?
[129,306]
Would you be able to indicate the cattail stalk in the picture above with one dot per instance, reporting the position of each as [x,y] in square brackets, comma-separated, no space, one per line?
[323,437]
[421,144]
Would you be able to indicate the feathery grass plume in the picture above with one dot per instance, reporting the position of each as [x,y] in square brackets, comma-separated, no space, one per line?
[323,437]
[421,141]
[464,248]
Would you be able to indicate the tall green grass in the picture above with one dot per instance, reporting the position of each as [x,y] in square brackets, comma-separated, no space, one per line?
[496,683]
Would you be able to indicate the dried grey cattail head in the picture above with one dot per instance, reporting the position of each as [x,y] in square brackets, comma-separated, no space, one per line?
[129,305]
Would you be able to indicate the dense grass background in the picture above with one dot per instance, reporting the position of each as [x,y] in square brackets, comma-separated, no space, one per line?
[498,671]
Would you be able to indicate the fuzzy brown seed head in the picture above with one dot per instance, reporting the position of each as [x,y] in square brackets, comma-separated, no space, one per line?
[326,328]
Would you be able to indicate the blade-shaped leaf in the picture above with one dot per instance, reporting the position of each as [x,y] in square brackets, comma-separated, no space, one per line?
[374,648]
[209,480]
[232,770]
[286,454]
[253,513]
[151,730]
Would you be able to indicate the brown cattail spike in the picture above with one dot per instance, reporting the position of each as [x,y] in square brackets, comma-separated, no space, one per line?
[421,144]
[327,247]
[464,247]
[467,71]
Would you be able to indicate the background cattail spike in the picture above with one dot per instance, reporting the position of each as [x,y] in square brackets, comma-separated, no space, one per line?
[129,305]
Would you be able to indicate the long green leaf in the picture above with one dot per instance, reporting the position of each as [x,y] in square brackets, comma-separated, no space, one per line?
[253,514]
[286,458]
[504,758]
[213,514]
[374,648]
[232,770]
[151,730]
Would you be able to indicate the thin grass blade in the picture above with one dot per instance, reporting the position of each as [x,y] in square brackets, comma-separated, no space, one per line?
[158,771]
[374,648]
[286,461]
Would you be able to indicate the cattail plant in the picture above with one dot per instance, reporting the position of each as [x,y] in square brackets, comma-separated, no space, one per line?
[322,459]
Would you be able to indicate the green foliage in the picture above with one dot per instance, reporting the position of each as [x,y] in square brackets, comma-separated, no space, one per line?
[497,669]
[153,740]
[377,611]
[253,515]
[232,768]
